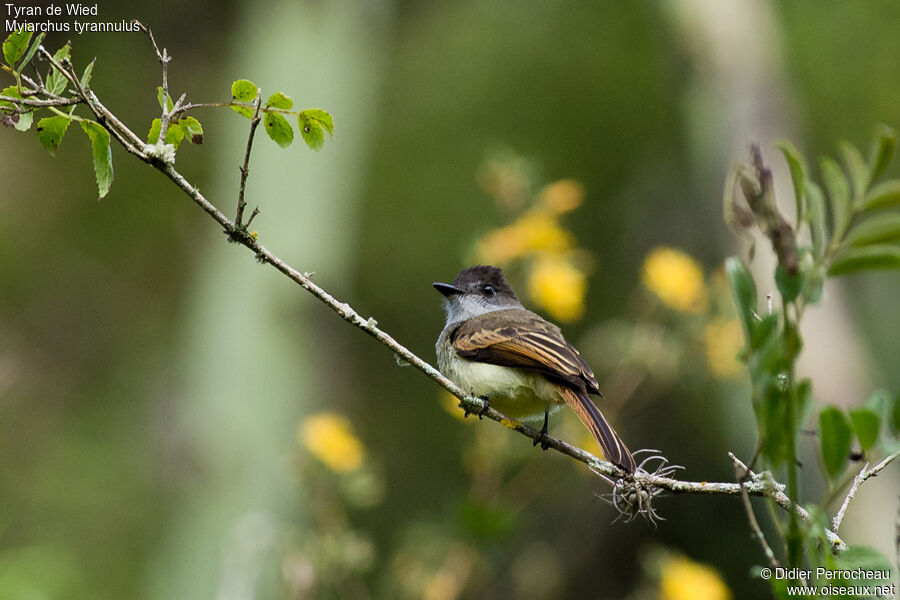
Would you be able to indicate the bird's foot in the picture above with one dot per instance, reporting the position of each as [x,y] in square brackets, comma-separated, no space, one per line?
[544,439]
[486,405]
[485,408]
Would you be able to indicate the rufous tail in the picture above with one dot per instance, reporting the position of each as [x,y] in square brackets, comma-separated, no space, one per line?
[614,449]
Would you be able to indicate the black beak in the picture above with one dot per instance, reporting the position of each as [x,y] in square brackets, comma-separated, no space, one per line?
[447,289]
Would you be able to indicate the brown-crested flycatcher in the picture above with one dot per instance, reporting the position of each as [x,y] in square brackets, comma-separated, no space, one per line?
[520,363]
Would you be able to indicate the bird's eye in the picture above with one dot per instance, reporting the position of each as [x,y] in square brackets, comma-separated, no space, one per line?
[488,290]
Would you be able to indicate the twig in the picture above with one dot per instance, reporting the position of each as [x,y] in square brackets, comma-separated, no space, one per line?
[253,214]
[864,474]
[742,474]
[164,59]
[149,33]
[38,103]
[245,168]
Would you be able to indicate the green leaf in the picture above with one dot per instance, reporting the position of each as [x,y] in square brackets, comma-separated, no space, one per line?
[86,76]
[168,100]
[866,423]
[884,195]
[798,168]
[11,92]
[20,121]
[878,228]
[56,81]
[763,331]
[192,129]
[876,256]
[24,122]
[102,153]
[775,430]
[50,132]
[31,51]
[815,285]
[243,110]
[174,134]
[155,129]
[789,285]
[856,166]
[279,100]
[323,117]
[243,90]
[312,122]
[835,434]
[15,45]
[804,401]
[839,193]
[312,133]
[278,128]
[815,201]
[743,289]
[882,150]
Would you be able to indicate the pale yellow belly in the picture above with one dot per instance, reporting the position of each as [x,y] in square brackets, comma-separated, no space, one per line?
[514,392]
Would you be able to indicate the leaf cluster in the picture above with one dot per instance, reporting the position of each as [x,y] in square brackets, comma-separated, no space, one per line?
[843,225]
[49,94]
[313,123]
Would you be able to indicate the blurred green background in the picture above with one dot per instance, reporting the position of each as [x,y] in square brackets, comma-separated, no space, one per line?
[154,380]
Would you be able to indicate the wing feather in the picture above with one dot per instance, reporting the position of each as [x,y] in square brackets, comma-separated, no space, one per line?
[519,338]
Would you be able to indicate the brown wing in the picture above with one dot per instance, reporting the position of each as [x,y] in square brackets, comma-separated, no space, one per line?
[519,338]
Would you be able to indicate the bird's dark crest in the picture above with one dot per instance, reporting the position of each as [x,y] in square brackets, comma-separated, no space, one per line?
[479,275]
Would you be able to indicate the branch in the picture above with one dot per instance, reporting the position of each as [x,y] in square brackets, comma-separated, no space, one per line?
[743,474]
[761,485]
[864,474]
[38,103]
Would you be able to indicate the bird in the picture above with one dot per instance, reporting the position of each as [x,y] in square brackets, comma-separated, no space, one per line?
[515,360]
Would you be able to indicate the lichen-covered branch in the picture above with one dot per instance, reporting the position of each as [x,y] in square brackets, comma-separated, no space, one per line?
[864,474]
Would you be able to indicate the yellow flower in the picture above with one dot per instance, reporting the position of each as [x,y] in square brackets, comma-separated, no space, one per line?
[684,579]
[542,232]
[558,287]
[329,437]
[676,278]
[562,196]
[723,339]
[534,231]
[501,245]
